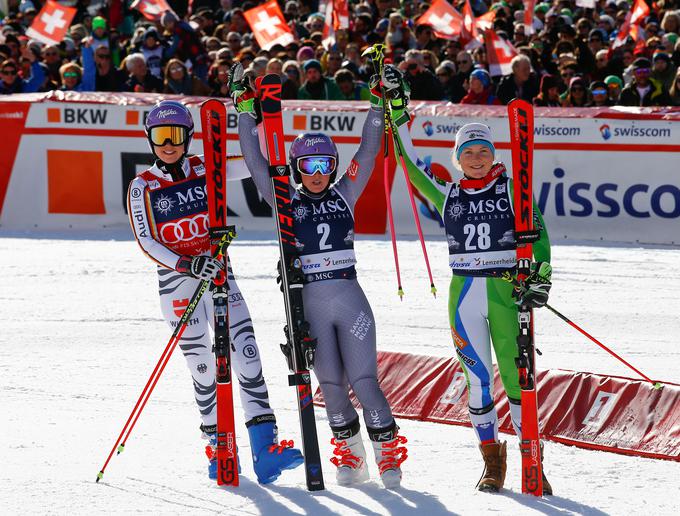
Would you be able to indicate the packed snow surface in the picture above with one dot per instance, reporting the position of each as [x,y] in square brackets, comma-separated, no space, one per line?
[82,330]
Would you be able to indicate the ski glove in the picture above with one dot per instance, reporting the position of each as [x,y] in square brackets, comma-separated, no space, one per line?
[241,91]
[534,290]
[201,267]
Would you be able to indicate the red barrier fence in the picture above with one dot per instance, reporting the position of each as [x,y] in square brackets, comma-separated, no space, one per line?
[601,412]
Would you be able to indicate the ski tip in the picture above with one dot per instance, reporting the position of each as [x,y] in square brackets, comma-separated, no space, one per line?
[100,475]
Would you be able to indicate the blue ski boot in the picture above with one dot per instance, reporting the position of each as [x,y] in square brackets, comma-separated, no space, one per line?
[210,433]
[269,457]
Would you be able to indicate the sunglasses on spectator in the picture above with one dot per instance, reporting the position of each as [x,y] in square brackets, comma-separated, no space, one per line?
[292,71]
[51,54]
[642,71]
[411,67]
[578,88]
[442,74]
[176,135]
[176,69]
[233,40]
[568,74]
[71,75]
[599,92]
[9,71]
[462,62]
[104,56]
[595,40]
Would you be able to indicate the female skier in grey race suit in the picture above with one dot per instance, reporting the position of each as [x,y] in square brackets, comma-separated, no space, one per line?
[336,308]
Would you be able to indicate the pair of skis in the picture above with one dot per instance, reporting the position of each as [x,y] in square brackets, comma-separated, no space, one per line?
[299,347]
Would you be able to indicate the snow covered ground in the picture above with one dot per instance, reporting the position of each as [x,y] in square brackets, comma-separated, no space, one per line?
[82,331]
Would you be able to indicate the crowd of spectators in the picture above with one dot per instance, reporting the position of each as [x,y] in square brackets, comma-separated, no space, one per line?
[567,60]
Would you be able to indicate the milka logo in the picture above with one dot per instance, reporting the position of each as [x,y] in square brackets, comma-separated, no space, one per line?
[166,112]
[310,142]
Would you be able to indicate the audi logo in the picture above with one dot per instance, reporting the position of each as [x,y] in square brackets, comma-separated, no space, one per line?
[185,230]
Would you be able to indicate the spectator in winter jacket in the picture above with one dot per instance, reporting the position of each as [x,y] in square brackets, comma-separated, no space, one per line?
[598,90]
[674,93]
[481,90]
[316,86]
[107,76]
[614,87]
[179,81]
[424,85]
[550,92]
[140,78]
[453,90]
[185,44]
[643,90]
[349,88]
[578,94]
[663,71]
[10,82]
[522,83]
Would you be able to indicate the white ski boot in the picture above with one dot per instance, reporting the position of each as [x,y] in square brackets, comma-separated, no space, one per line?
[350,455]
[389,454]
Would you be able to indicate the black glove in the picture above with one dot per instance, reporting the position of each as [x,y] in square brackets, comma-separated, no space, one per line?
[534,290]
[201,267]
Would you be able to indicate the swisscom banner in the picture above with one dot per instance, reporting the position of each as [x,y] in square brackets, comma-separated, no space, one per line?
[610,175]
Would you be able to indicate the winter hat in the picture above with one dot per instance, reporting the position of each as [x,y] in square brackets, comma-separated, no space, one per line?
[577,81]
[613,79]
[661,56]
[548,81]
[98,23]
[482,76]
[312,63]
[598,85]
[304,54]
[151,32]
[641,62]
[473,134]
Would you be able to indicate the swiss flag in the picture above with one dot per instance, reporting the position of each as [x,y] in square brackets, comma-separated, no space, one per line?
[499,53]
[529,6]
[51,24]
[629,28]
[485,21]
[446,22]
[268,25]
[337,17]
[151,9]
[470,35]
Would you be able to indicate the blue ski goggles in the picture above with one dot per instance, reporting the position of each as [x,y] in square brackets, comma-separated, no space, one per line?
[310,165]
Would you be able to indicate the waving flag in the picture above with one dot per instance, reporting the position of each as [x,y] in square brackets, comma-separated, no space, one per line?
[446,22]
[337,17]
[499,54]
[269,26]
[51,24]
[151,9]
[631,27]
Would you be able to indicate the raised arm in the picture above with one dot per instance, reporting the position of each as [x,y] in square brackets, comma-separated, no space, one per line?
[255,161]
[353,182]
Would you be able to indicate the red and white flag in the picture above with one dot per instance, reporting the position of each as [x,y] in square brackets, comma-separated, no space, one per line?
[470,36]
[446,22]
[52,23]
[485,21]
[631,27]
[529,6]
[337,18]
[151,9]
[499,53]
[268,25]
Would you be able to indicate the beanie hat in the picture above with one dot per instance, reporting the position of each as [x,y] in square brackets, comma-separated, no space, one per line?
[304,54]
[98,23]
[312,63]
[613,79]
[473,134]
[482,76]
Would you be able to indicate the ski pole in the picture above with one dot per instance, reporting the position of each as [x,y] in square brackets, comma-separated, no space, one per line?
[375,54]
[155,375]
[656,385]
[160,366]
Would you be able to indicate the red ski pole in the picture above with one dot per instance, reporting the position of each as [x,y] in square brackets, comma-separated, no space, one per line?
[571,323]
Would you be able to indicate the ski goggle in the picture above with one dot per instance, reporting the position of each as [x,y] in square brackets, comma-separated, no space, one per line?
[599,91]
[311,165]
[176,135]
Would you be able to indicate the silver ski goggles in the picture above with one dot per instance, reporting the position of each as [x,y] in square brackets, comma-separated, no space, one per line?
[310,165]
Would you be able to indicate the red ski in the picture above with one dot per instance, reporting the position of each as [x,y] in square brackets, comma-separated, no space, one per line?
[214,125]
[521,118]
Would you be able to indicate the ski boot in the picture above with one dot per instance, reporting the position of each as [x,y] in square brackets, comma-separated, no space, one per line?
[269,457]
[389,453]
[210,433]
[495,455]
[350,459]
